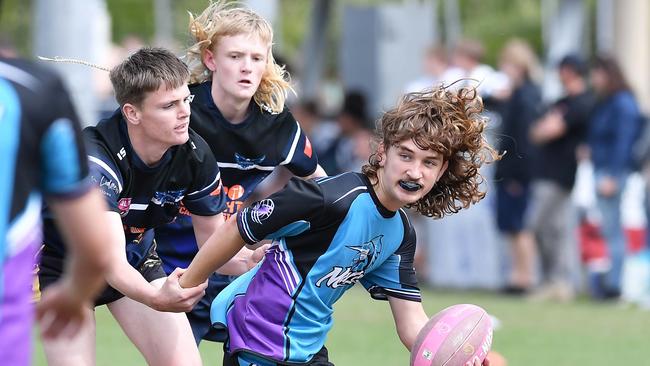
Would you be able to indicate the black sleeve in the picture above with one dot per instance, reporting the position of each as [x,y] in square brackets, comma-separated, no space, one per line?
[396,276]
[206,196]
[298,154]
[285,213]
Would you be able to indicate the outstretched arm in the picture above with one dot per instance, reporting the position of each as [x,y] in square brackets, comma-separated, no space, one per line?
[245,259]
[215,252]
[126,279]
[409,318]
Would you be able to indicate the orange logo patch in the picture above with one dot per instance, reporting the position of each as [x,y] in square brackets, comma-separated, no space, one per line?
[217,191]
[235,192]
[308,150]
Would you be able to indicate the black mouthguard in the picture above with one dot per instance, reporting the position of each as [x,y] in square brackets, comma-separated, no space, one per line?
[409,186]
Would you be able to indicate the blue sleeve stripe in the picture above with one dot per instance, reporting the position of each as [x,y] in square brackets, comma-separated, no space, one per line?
[60,156]
[293,146]
[107,168]
[210,186]
[9,140]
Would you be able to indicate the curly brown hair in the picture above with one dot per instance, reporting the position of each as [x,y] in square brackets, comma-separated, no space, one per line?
[449,122]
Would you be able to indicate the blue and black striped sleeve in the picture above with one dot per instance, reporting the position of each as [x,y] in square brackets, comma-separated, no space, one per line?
[62,152]
[396,276]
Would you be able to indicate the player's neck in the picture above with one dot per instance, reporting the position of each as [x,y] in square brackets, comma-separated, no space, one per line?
[232,109]
[381,191]
[149,151]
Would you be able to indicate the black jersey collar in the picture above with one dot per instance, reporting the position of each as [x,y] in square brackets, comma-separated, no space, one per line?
[206,99]
[383,211]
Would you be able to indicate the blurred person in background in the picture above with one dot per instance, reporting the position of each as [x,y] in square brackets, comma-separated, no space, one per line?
[239,109]
[557,134]
[350,148]
[43,154]
[515,169]
[437,70]
[613,129]
[468,56]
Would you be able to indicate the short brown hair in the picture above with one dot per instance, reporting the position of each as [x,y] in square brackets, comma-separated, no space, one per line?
[144,72]
[450,123]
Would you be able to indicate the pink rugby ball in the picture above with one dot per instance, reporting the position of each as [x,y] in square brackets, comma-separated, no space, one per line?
[454,336]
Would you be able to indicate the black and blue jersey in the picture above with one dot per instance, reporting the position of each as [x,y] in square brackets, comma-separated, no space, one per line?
[247,153]
[41,152]
[327,235]
[186,179]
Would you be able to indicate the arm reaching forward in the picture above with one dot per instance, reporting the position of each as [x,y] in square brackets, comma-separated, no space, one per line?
[214,253]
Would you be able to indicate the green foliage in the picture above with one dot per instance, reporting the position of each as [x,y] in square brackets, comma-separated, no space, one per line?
[131,18]
[494,22]
[15,20]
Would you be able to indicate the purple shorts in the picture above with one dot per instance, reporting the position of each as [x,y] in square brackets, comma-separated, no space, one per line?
[16,307]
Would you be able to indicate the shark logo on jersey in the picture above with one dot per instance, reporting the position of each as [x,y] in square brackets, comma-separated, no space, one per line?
[262,210]
[367,255]
[169,197]
[245,162]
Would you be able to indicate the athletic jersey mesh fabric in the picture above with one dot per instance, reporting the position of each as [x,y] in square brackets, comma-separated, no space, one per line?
[186,179]
[247,153]
[327,235]
[42,152]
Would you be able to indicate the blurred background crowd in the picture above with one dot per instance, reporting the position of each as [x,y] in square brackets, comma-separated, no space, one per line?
[566,85]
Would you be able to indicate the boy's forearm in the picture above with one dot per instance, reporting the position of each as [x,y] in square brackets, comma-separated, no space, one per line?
[217,251]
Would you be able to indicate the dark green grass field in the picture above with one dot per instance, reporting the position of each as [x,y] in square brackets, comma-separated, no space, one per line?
[580,333]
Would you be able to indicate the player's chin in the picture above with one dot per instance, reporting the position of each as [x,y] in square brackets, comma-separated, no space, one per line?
[180,138]
[409,198]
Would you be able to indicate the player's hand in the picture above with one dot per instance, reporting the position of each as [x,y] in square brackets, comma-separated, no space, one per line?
[257,255]
[173,298]
[477,362]
[61,311]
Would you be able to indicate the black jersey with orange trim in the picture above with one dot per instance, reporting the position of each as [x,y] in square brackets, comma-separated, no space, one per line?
[246,152]
[187,179]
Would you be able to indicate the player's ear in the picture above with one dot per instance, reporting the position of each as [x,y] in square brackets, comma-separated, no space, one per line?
[131,113]
[208,60]
[381,154]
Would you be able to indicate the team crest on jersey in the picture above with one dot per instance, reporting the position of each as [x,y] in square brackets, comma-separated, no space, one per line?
[366,255]
[262,210]
[169,197]
[123,205]
[245,162]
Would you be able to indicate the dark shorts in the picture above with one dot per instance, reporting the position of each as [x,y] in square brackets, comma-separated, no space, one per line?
[199,317]
[511,208]
[320,359]
[51,267]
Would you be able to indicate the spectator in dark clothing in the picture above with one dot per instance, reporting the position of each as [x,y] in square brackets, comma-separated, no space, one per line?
[513,172]
[613,130]
[557,135]
[351,148]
